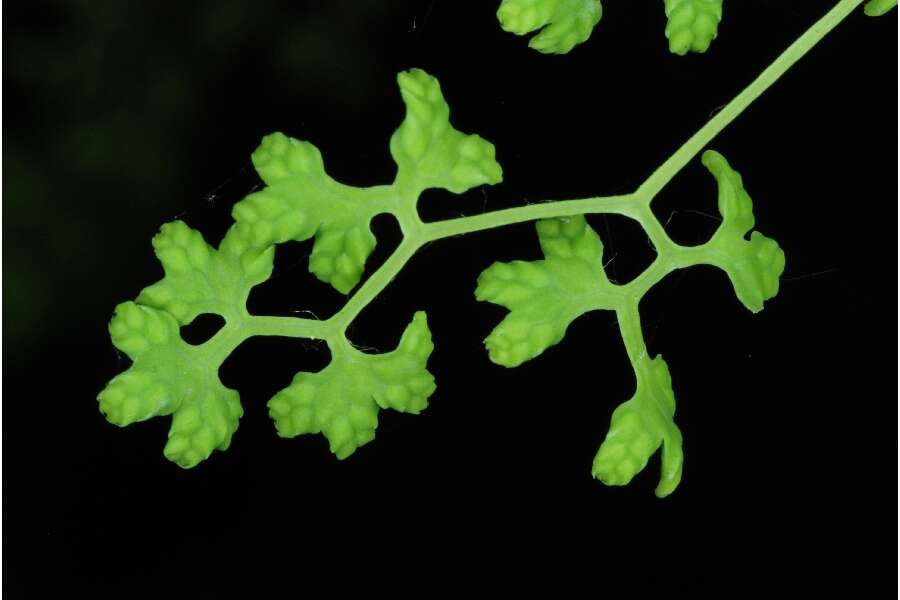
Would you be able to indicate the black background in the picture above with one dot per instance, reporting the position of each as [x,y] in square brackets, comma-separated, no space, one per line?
[119,116]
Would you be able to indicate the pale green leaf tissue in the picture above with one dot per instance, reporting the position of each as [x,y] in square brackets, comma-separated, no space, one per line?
[342,401]
[876,8]
[545,296]
[755,265]
[169,377]
[639,427]
[301,201]
[692,24]
[565,23]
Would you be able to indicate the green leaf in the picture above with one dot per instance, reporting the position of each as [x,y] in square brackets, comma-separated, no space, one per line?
[200,279]
[342,400]
[300,201]
[545,296]
[169,376]
[568,22]
[639,427]
[755,265]
[876,8]
[428,151]
[692,24]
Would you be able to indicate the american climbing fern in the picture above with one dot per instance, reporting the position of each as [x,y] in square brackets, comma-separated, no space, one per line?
[301,201]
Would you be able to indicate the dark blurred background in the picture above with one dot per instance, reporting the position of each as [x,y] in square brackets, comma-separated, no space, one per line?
[122,115]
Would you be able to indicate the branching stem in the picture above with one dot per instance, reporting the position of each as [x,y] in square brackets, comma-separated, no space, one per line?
[670,256]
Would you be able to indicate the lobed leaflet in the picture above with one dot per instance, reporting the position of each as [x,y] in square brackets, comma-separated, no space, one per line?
[301,201]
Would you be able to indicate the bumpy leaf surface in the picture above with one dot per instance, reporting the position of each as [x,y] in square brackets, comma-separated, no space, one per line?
[755,265]
[566,23]
[342,400]
[168,376]
[301,200]
[692,24]
[545,296]
[200,279]
[639,427]
[428,151]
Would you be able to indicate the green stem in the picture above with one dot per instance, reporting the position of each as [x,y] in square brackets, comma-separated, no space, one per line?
[375,284]
[621,205]
[770,75]
[275,326]
[417,233]
[661,241]
[630,327]
[245,326]
[670,256]
[678,257]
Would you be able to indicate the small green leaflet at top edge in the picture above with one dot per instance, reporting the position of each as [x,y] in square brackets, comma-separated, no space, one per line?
[428,151]
[639,427]
[168,376]
[342,400]
[692,25]
[754,266]
[301,201]
[565,23]
[199,279]
[876,8]
[545,296]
